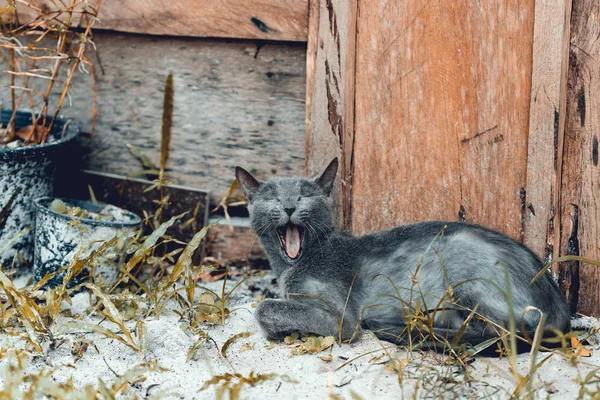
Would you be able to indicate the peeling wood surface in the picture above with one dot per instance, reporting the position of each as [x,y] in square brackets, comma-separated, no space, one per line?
[250,19]
[442,112]
[580,190]
[546,125]
[330,88]
[235,103]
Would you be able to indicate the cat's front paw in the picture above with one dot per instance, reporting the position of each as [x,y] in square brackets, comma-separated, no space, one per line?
[271,321]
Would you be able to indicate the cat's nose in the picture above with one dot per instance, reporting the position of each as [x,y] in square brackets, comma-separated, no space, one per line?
[289,211]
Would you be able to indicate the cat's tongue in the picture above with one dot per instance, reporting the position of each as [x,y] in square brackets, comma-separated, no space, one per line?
[292,241]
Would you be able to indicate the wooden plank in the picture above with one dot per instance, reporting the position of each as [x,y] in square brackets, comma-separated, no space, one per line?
[442,100]
[235,103]
[580,214]
[546,125]
[250,19]
[241,243]
[330,90]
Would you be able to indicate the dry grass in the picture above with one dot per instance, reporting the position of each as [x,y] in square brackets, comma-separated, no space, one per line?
[153,283]
[44,49]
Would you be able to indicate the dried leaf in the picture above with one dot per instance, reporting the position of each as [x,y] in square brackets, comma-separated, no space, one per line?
[247,347]
[354,395]
[143,159]
[185,259]
[291,338]
[90,327]
[232,339]
[112,313]
[207,298]
[579,349]
[313,345]
[27,134]
[232,383]
[142,335]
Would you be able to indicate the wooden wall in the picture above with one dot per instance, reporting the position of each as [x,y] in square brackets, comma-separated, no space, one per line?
[238,100]
[483,112]
[235,103]
[240,78]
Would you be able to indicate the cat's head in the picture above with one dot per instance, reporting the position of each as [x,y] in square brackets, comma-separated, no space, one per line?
[290,214]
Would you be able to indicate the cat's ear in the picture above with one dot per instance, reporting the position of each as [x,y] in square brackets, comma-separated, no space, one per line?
[248,183]
[327,177]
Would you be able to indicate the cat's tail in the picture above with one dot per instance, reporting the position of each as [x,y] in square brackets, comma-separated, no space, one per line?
[445,340]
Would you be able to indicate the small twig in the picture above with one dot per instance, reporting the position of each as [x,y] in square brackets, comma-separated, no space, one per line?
[111,370]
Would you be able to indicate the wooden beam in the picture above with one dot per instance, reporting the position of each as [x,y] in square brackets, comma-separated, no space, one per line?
[250,19]
[546,126]
[442,100]
[330,94]
[580,186]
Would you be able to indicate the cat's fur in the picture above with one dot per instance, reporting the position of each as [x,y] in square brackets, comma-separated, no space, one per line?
[337,277]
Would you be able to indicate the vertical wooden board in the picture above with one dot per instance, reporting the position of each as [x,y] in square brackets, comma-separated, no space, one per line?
[580,212]
[442,99]
[330,91]
[546,124]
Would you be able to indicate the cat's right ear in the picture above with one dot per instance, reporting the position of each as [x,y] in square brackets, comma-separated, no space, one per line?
[248,183]
[327,177]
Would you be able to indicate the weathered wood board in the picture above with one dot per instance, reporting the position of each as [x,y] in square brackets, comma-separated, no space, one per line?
[330,94]
[251,19]
[235,103]
[546,126]
[442,101]
[580,190]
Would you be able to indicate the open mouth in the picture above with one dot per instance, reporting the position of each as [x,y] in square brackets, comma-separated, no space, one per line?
[291,237]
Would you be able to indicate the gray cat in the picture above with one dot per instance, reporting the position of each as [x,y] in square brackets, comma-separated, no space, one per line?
[434,272]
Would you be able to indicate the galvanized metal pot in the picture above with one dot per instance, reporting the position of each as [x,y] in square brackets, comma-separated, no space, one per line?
[27,173]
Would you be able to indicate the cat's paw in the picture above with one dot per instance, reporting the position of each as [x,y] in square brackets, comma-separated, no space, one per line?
[271,321]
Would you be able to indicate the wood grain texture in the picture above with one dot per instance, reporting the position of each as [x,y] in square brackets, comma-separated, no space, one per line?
[251,19]
[442,101]
[330,87]
[580,189]
[546,125]
[235,103]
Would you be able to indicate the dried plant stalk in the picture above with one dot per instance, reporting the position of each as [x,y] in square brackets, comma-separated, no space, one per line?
[27,48]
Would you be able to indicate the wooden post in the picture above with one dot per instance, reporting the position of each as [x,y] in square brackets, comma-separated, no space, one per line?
[580,188]
[330,94]
[547,127]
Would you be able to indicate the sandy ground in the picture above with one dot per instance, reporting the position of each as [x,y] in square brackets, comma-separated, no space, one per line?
[370,375]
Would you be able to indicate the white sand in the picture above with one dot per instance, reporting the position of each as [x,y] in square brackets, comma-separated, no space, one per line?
[367,377]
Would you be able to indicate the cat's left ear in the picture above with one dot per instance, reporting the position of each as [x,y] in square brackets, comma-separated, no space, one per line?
[248,183]
[327,177]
